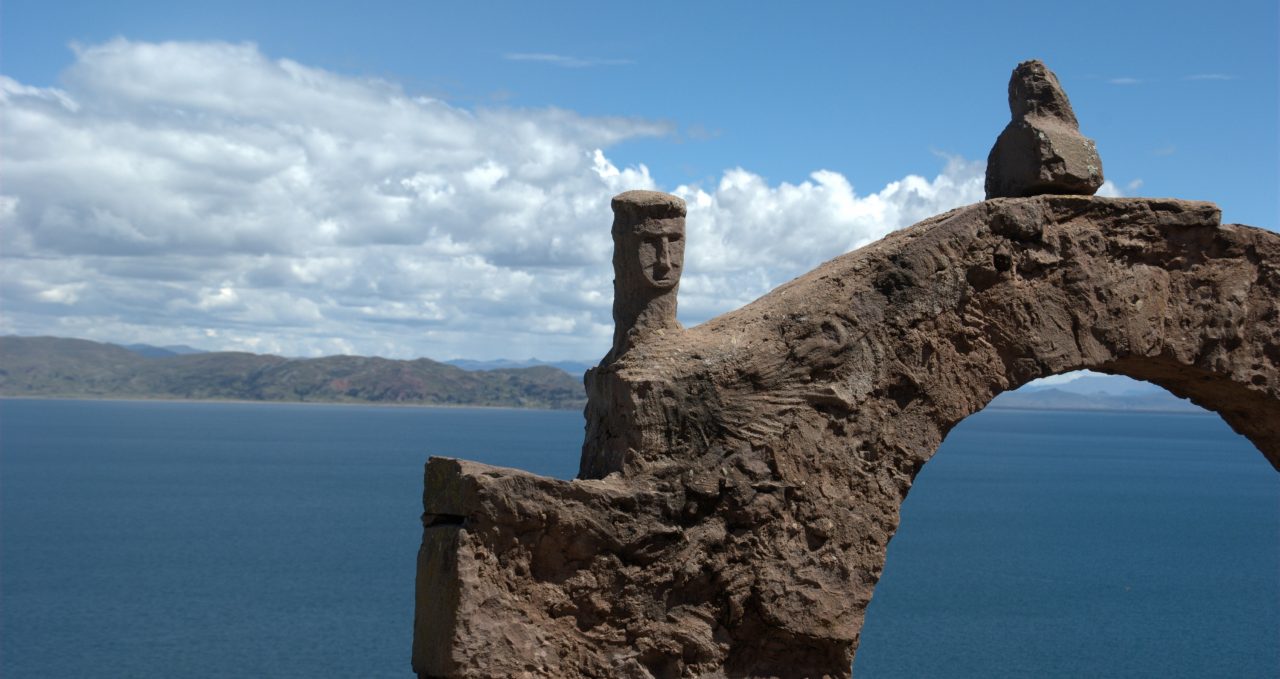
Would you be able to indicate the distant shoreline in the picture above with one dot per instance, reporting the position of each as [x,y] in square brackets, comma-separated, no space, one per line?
[368,404]
[1145,411]
[66,368]
[362,404]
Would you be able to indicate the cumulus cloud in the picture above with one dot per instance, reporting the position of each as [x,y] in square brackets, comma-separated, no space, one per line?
[746,237]
[203,193]
[1110,190]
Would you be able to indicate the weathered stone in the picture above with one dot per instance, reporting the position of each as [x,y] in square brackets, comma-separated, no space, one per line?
[648,258]
[742,478]
[1041,151]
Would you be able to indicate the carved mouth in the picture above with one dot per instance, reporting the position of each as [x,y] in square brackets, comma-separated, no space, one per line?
[664,279]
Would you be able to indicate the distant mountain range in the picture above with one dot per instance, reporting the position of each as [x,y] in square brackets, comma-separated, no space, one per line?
[162,352]
[1094,391]
[575,368]
[59,367]
[1096,383]
[52,366]
[1052,398]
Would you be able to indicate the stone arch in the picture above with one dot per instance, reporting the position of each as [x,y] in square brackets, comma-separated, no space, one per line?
[941,317]
[740,480]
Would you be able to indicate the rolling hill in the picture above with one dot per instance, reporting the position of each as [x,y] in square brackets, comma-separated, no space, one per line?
[60,367]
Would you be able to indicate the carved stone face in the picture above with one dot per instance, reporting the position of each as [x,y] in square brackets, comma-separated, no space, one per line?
[660,251]
[648,258]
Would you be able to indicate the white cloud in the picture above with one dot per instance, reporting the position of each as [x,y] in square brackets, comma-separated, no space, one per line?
[1124,81]
[564,61]
[202,193]
[1062,378]
[747,237]
[61,294]
[1109,189]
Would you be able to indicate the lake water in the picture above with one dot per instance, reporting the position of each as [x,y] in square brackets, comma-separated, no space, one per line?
[232,540]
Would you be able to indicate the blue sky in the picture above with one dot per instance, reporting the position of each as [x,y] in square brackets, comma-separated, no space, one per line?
[432,179]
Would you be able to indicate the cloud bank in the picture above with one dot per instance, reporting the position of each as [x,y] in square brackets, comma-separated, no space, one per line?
[203,193]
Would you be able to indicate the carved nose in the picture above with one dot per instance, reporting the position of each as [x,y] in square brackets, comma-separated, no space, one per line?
[664,256]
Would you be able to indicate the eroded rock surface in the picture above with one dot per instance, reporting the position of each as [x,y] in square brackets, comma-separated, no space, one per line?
[742,478]
[1041,150]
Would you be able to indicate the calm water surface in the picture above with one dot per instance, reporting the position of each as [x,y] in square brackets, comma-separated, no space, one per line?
[1056,544]
[231,540]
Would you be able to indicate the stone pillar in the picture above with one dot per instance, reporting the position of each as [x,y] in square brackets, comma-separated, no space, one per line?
[648,258]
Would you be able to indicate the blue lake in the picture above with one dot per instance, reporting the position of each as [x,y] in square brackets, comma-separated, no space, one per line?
[150,539]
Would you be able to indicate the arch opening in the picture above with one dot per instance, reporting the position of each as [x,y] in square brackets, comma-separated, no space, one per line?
[1058,532]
